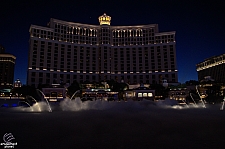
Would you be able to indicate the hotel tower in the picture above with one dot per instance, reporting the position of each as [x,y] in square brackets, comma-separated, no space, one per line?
[213,67]
[7,65]
[67,51]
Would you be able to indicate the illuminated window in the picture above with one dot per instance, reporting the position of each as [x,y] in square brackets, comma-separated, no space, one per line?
[150,95]
[139,94]
[144,94]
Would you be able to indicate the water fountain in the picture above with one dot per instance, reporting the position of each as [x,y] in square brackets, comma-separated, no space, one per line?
[200,97]
[185,103]
[74,94]
[49,107]
[27,104]
[193,100]
[222,106]
[39,108]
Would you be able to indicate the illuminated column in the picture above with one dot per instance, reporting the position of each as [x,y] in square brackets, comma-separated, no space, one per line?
[104,47]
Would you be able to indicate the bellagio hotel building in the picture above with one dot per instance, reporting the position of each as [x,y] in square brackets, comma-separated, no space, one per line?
[67,51]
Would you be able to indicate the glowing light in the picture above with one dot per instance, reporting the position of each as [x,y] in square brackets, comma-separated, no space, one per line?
[52,99]
[104,19]
[150,94]
[139,94]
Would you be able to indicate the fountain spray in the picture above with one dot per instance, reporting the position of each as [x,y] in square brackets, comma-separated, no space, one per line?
[49,107]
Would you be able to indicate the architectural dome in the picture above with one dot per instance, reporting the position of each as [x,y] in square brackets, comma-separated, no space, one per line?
[104,19]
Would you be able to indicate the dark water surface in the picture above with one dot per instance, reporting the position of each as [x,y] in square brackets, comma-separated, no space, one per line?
[133,125]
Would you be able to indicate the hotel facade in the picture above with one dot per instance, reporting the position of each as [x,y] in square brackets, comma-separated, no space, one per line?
[67,51]
[213,67]
[7,65]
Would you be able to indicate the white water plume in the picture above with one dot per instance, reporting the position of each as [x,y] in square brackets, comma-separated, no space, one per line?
[36,107]
[171,103]
[77,105]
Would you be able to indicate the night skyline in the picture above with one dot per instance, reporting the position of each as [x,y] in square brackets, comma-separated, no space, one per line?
[199,26]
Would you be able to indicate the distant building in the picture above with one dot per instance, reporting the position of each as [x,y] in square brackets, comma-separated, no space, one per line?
[140,93]
[55,92]
[7,64]
[213,68]
[68,51]
[178,93]
[17,83]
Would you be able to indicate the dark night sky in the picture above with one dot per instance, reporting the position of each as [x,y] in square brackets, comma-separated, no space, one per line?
[199,26]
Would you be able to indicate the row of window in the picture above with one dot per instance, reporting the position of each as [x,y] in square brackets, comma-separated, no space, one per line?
[50,78]
[85,36]
[45,44]
[212,62]
[160,56]
[86,31]
[7,59]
